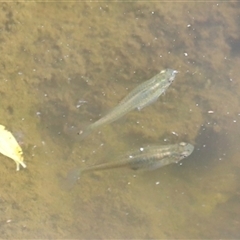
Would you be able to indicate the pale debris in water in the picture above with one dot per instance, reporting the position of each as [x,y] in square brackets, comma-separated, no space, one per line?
[10,148]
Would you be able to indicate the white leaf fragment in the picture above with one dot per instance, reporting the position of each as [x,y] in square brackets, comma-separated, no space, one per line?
[10,147]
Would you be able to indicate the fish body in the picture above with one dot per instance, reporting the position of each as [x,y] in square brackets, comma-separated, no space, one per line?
[142,96]
[145,158]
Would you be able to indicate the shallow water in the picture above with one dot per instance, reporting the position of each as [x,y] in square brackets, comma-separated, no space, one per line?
[63,65]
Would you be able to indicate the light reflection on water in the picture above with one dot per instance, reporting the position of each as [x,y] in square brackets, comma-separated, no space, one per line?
[78,62]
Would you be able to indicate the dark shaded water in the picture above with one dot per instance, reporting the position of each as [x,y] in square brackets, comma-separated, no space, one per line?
[63,65]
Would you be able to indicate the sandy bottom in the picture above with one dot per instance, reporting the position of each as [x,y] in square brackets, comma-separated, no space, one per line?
[63,65]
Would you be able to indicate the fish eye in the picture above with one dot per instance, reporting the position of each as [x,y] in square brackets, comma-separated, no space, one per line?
[184,154]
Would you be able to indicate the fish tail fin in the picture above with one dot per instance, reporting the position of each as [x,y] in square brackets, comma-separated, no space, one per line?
[84,133]
[72,178]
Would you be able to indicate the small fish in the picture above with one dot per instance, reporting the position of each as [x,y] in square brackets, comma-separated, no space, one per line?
[145,158]
[142,96]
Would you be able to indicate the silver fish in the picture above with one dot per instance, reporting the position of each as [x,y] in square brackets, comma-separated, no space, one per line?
[145,158]
[142,96]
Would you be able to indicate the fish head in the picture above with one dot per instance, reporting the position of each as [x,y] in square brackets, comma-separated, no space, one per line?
[166,78]
[171,74]
[186,149]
